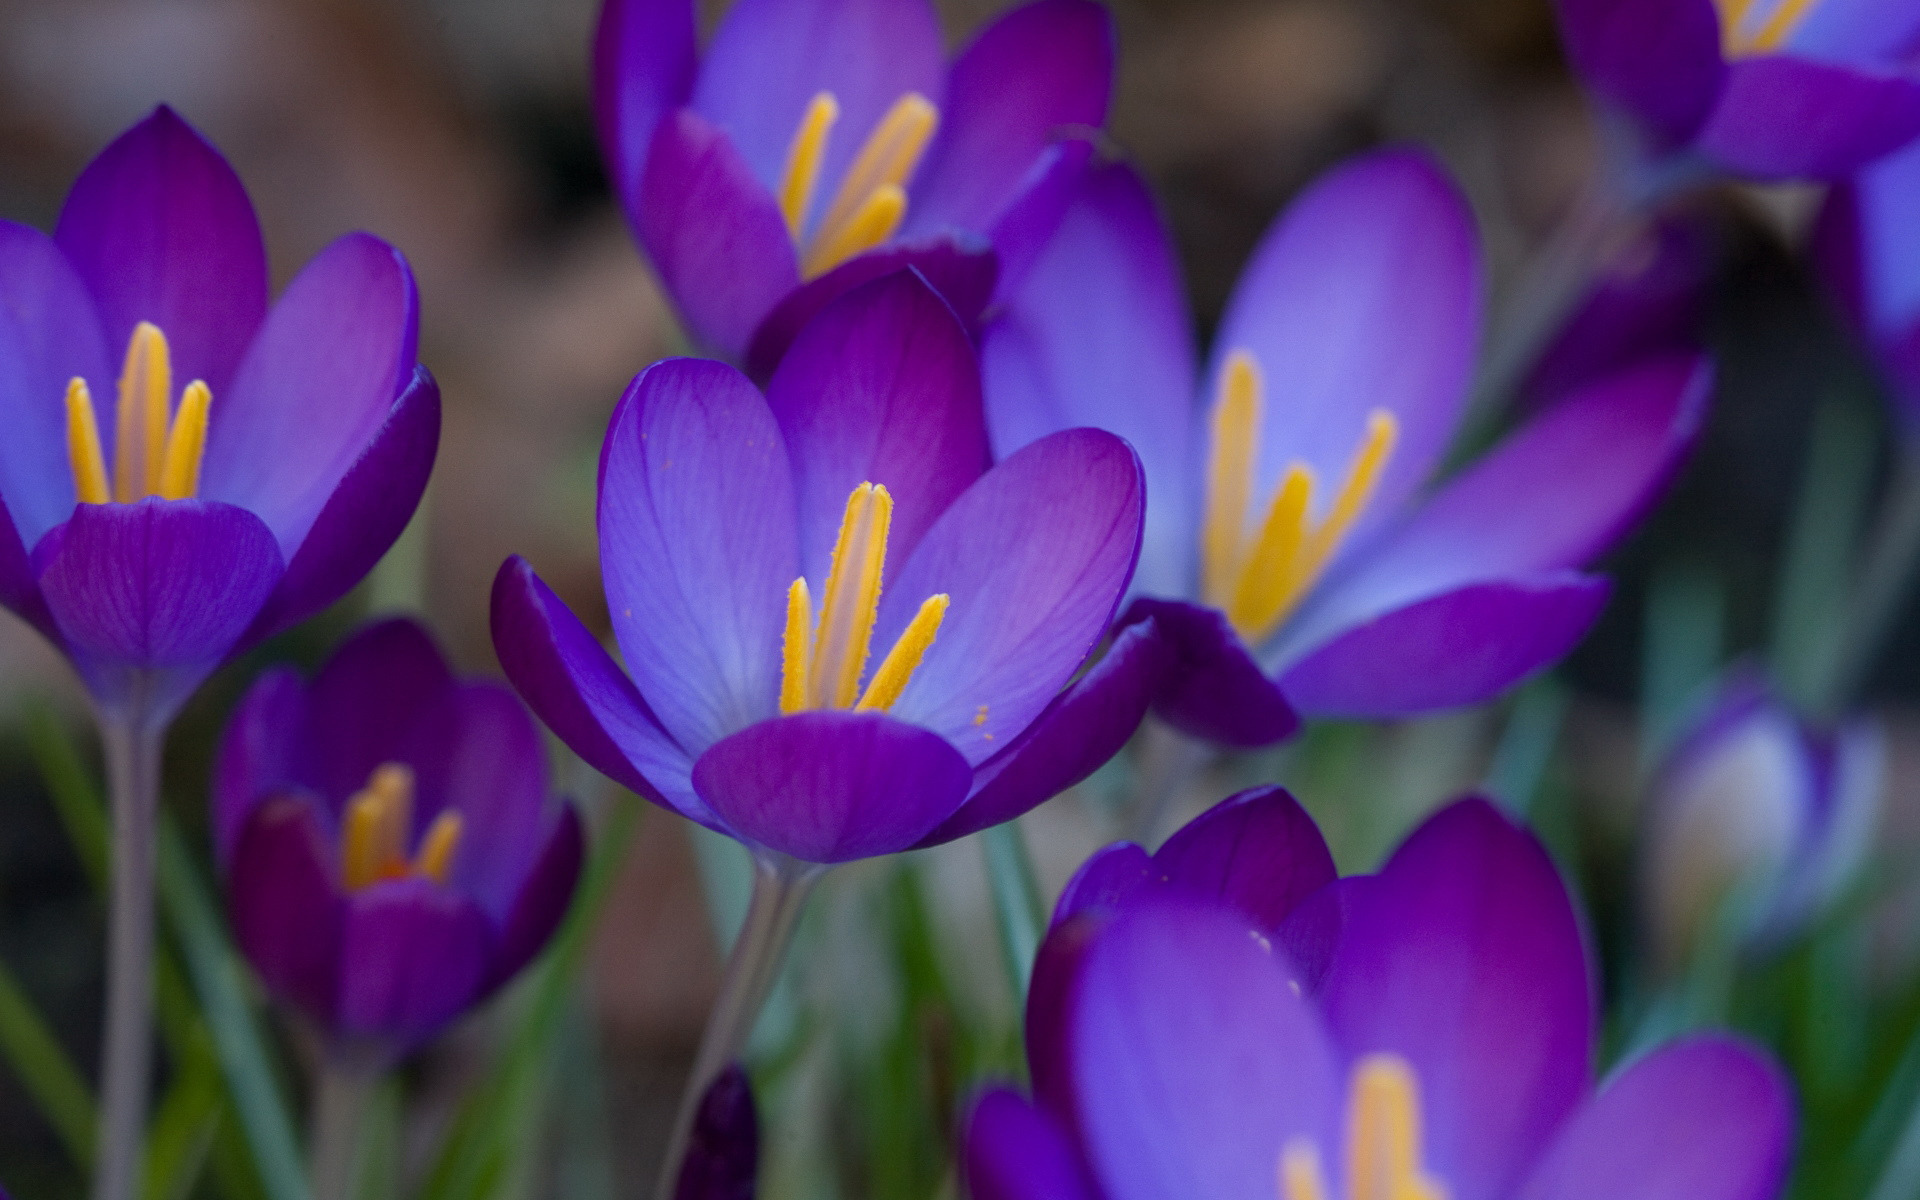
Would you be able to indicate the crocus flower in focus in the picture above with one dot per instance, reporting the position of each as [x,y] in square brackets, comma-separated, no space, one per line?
[818,144]
[774,690]
[188,471]
[1440,1046]
[1759,807]
[391,847]
[1763,89]
[1866,248]
[1294,554]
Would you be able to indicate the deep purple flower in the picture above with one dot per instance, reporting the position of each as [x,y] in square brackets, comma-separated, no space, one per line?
[1294,556]
[1866,246]
[723,1154]
[188,471]
[1773,89]
[819,144]
[391,847]
[772,691]
[1756,798]
[1436,1041]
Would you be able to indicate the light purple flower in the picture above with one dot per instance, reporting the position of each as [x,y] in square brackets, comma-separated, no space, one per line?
[267,457]
[819,144]
[767,693]
[1436,1041]
[1297,554]
[1866,247]
[392,850]
[1763,89]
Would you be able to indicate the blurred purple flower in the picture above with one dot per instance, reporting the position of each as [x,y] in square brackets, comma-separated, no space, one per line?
[820,144]
[1758,806]
[723,1155]
[1866,248]
[1292,557]
[392,851]
[149,539]
[1437,1040]
[743,539]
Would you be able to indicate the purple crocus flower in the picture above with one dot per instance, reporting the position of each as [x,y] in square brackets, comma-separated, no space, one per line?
[1294,557]
[1865,248]
[188,471]
[391,847]
[1764,89]
[819,144]
[1756,798]
[1426,1032]
[772,691]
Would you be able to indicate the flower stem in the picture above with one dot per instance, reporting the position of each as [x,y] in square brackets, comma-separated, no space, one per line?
[133,749]
[780,889]
[1885,578]
[1169,760]
[340,1094]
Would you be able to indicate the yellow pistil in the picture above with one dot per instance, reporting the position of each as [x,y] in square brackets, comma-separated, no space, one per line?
[871,201]
[1780,25]
[155,453]
[375,828]
[1258,581]
[1383,1141]
[825,671]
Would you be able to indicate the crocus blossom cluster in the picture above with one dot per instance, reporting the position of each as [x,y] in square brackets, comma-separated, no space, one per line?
[187,470]
[1226,1019]
[392,850]
[1295,558]
[818,144]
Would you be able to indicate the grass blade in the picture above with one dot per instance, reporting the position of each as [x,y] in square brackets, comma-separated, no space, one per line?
[45,1072]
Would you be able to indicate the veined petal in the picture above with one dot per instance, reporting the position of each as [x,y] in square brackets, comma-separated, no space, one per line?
[286,911]
[1013,1150]
[315,388]
[644,58]
[1658,59]
[1783,117]
[1040,200]
[1257,851]
[162,231]
[413,956]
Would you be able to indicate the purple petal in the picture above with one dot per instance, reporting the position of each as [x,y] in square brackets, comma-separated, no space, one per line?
[315,388]
[1104,882]
[366,706]
[1211,688]
[580,692]
[1195,1062]
[723,1153]
[365,515]
[285,905]
[1365,295]
[644,58]
[413,956]
[159,584]
[545,894]
[1076,735]
[1842,31]
[1703,1119]
[1658,59]
[962,270]
[162,231]
[1035,556]
[260,753]
[1310,935]
[1040,200]
[491,767]
[1868,256]
[1258,852]
[49,334]
[1041,70]
[1457,648]
[1051,998]
[19,590]
[1098,334]
[1466,959]
[830,787]
[1792,118]
[697,546]
[769,58]
[1015,1151]
[882,387]
[713,233]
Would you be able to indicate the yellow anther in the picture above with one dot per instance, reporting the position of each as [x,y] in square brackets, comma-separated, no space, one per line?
[796,650]
[83,446]
[873,223]
[179,476]
[1383,1133]
[1300,1177]
[1780,25]
[437,848]
[1236,433]
[1272,577]
[373,840]
[140,425]
[901,661]
[802,176]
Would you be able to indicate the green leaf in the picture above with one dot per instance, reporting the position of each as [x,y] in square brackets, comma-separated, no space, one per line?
[184,1126]
[1018,912]
[45,1072]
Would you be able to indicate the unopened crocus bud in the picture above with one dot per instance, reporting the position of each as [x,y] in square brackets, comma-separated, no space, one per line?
[1758,809]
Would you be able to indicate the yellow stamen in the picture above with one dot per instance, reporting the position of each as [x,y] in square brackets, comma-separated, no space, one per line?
[140,426]
[1236,431]
[898,667]
[1273,576]
[1780,25]
[1383,1134]
[437,848]
[1300,1177]
[1363,475]
[873,223]
[179,474]
[796,649]
[83,446]
[802,176]
[373,843]
[852,600]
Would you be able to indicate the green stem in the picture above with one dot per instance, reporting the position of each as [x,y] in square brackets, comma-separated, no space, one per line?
[1886,575]
[340,1094]
[1017,907]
